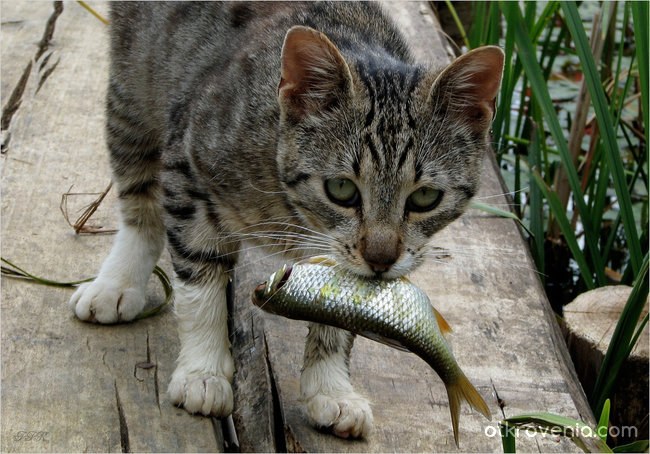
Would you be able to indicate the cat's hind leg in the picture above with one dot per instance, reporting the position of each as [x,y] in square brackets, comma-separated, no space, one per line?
[118,292]
[325,386]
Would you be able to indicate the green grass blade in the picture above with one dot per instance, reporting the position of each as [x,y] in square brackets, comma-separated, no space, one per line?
[536,202]
[494,24]
[640,19]
[22,274]
[619,346]
[476,32]
[592,78]
[507,439]
[569,235]
[639,330]
[603,422]
[19,273]
[526,52]
[498,212]
[637,446]
[93,12]
[458,23]
[583,435]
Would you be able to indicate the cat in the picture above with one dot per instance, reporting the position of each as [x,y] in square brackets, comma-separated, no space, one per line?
[307,127]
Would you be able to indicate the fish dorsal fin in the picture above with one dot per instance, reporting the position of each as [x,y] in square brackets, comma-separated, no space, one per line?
[384,340]
[319,260]
[442,323]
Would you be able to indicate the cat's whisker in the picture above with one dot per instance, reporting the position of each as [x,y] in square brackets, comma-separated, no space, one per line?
[311,249]
[523,189]
[280,236]
[450,254]
[287,225]
[458,266]
[280,239]
[263,191]
[297,246]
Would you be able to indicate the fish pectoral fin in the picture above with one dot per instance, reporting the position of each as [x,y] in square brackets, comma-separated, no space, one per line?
[442,323]
[384,340]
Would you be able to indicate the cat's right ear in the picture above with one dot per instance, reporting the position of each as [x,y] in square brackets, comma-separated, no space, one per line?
[314,73]
[469,86]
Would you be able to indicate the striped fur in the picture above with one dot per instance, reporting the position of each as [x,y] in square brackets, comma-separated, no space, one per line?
[224,122]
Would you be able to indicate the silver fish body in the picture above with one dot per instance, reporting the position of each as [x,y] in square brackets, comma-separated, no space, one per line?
[395,312]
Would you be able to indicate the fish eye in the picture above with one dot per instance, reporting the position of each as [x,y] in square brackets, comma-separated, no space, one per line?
[423,199]
[342,191]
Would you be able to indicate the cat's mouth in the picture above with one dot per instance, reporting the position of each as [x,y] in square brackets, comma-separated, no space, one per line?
[398,269]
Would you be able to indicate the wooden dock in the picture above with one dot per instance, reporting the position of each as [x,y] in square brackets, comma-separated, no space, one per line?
[69,386]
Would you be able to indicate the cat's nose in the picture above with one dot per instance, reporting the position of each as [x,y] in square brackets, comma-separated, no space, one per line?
[379,267]
[380,249]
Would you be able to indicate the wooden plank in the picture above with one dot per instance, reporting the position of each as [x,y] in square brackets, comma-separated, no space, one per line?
[61,378]
[505,335]
[69,386]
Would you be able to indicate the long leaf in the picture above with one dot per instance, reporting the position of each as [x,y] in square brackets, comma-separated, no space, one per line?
[508,439]
[592,78]
[640,18]
[538,85]
[603,422]
[499,212]
[637,446]
[619,346]
[536,202]
[565,225]
[14,271]
[581,434]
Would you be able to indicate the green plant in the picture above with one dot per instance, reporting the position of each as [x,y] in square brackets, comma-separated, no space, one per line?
[588,439]
[584,157]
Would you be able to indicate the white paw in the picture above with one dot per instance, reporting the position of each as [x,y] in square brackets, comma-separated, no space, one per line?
[348,415]
[103,301]
[201,392]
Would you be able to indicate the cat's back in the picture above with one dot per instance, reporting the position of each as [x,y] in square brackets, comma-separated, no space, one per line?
[169,46]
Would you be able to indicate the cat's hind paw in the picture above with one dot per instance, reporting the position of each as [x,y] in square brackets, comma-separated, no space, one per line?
[103,301]
[198,392]
[346,416]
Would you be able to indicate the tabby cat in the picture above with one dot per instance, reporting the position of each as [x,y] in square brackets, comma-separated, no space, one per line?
[307,127]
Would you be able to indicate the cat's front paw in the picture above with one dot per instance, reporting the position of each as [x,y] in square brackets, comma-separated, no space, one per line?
[201,392]
[348,415]
[104,301]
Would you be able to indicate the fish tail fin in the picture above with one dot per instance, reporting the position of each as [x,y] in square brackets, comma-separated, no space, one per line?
[461,390]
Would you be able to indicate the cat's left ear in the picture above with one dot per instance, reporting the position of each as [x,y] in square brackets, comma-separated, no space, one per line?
[470,84]
[314,73]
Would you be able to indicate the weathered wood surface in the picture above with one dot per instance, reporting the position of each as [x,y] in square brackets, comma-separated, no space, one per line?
[74,386]
[92,388]
[505,336]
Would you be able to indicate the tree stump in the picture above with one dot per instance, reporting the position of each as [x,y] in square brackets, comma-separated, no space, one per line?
[589,323]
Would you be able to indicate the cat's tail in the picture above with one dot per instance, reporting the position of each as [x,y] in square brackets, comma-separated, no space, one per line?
[461,390]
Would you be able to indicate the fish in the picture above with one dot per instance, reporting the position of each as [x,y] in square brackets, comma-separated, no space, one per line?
[394,312]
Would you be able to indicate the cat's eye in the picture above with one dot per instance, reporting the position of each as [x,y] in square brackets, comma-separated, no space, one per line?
[342,191]
[423,199]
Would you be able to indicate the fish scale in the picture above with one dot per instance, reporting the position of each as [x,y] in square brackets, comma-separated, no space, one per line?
[394,311]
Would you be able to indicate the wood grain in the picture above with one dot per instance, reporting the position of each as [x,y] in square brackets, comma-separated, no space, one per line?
[82,387]
[93,388]
[505,336]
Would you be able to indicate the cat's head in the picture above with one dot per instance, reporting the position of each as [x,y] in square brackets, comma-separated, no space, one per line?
[378,154]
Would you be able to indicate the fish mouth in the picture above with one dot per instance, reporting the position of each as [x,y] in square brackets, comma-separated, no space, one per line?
[266,290]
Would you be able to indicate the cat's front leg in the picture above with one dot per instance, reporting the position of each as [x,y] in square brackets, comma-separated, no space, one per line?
[201,382]
[325,386]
